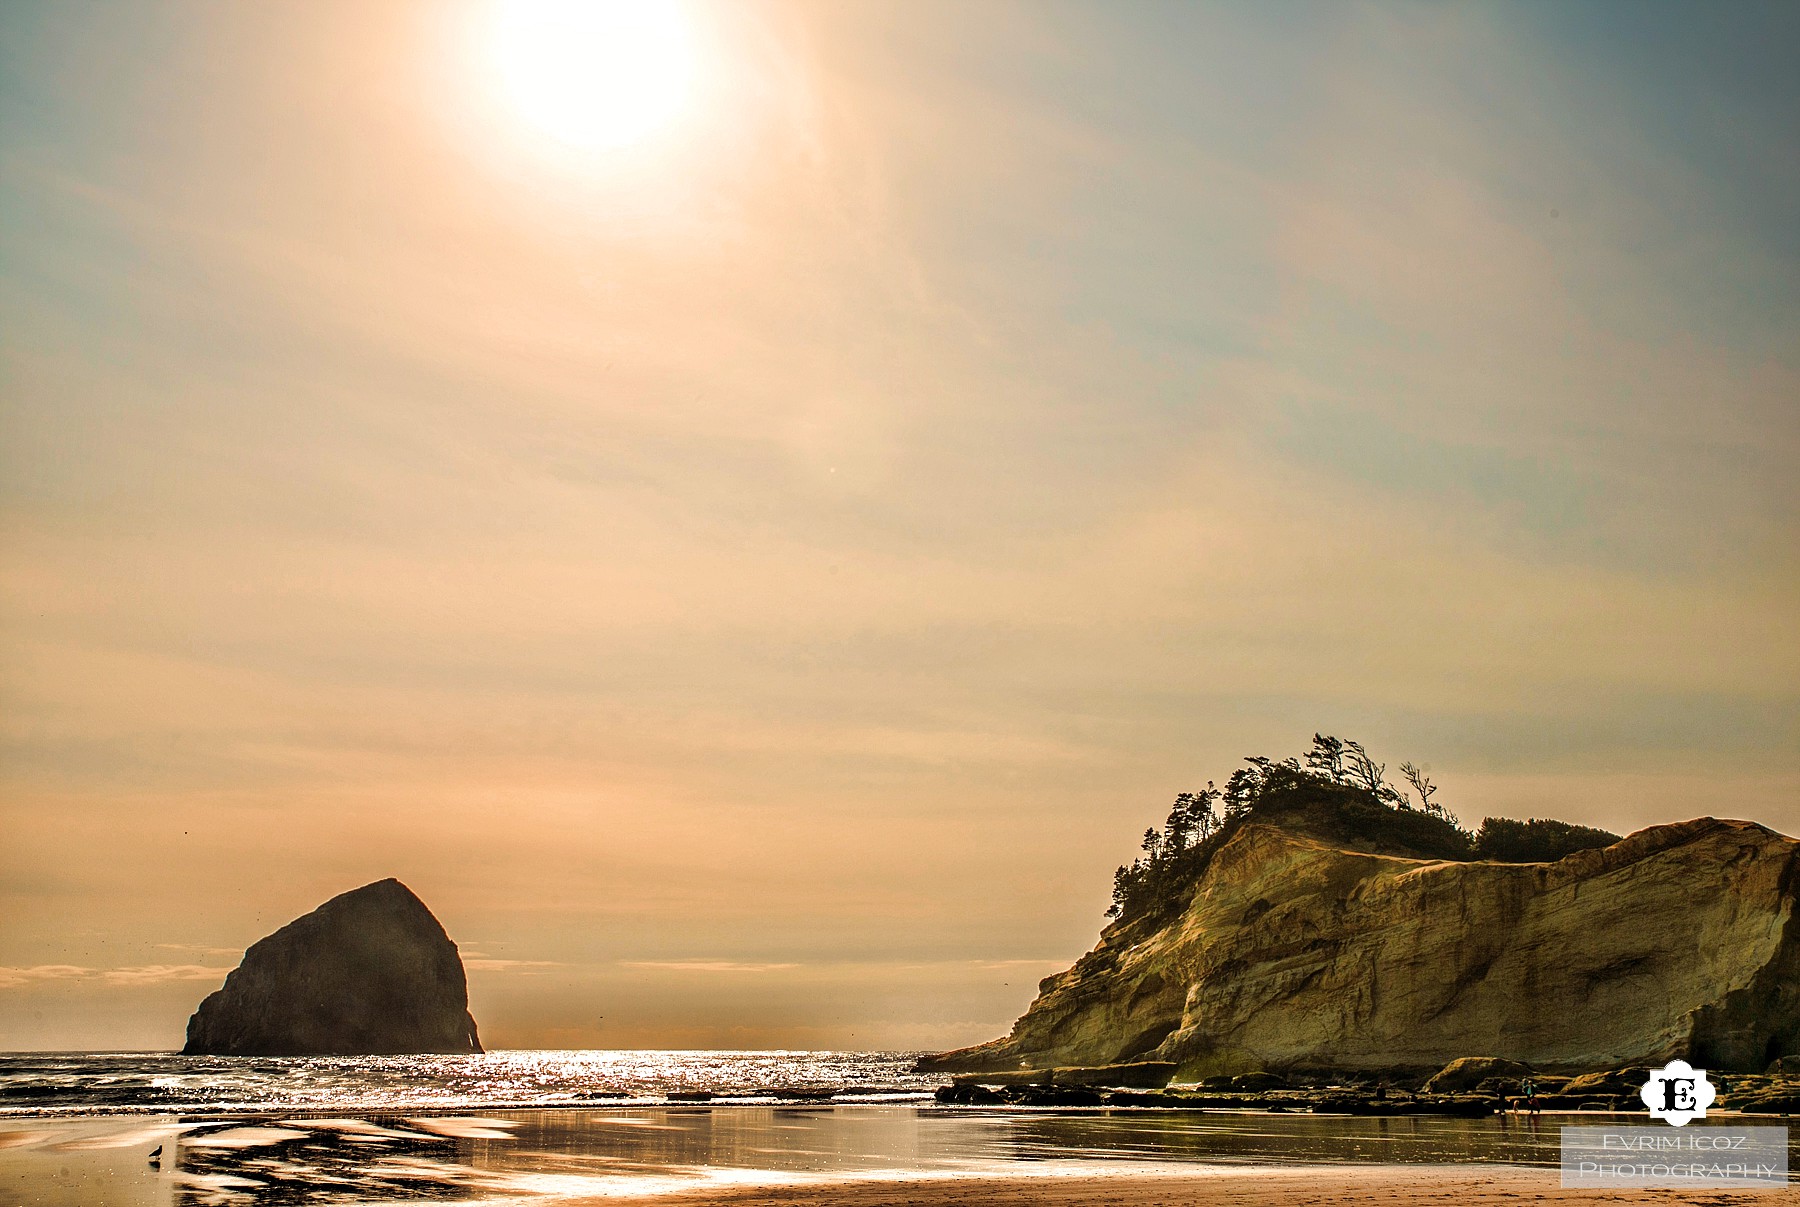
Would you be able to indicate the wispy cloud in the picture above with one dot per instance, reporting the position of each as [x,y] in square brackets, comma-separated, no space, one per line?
[839,966]
[155,973]
[490,964]
[704,966]
[1004,965]
[143,974]
[12,978]
[201,949]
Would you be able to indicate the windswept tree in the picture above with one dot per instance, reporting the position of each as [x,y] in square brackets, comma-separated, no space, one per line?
[1336,790]
[1250,781]
[1327,757]
[1371,776]
[1422,784]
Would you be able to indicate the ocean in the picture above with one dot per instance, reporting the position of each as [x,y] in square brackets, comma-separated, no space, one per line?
[128,1083]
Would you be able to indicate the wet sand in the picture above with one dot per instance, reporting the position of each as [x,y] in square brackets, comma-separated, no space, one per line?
[1319,1186]
[869,1156]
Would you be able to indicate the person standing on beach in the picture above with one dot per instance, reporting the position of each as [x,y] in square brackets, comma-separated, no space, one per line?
[1529,1090]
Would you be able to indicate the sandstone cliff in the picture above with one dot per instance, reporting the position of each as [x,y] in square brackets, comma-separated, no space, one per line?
[1295,953]
[369,972]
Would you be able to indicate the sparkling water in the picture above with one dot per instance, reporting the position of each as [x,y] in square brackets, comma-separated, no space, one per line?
[36,1084]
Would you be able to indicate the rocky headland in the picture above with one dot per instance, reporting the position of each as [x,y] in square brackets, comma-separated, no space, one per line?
[370,972]
[1324,934]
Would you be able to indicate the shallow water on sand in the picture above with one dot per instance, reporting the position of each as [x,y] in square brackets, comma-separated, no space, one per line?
[300,1159]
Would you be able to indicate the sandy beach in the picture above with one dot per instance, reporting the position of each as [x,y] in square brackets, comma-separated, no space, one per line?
[857,1156]
[1321,1186]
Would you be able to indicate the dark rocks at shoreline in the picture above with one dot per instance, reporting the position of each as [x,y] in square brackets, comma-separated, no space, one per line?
[1134,1075]
[1470,1072]
[1335,1101]
[1140,1074]
[1773,1093]
[968,1094]
[1041,1077]
[370,972]
[1448,1092]
[1261,1080]
[1606,1081]
[1780,1103]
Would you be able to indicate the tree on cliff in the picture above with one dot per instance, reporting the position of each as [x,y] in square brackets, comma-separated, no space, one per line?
[1421,784]
[1337,792]
[1534,841]
[1191,821]
[1326,757]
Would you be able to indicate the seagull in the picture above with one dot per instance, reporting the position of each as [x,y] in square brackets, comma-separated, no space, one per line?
[156,1155]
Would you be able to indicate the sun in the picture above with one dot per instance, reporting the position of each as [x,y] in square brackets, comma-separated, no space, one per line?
[595,75]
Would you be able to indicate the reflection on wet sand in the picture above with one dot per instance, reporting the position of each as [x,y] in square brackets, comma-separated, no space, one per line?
[338,1160]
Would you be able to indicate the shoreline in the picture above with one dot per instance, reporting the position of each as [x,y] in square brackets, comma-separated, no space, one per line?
[818,1155]
[815,1154]
[1323,1185]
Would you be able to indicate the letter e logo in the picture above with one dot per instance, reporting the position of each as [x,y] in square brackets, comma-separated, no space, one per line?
[1677,1093]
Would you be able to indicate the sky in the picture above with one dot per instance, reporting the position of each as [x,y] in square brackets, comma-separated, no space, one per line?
[753,547]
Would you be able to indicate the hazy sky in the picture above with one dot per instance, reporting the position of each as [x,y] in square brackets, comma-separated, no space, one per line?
[755,582]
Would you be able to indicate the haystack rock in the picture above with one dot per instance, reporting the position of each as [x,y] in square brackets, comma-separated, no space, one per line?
[1297,954]
[370,972]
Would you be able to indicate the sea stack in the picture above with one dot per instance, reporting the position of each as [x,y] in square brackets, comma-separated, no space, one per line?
[370,972]
[1292,952]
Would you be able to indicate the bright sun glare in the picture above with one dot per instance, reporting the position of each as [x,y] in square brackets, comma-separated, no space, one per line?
[594,74]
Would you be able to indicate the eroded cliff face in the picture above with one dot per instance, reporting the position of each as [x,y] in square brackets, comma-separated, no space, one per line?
[1678,940]
[369,972]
